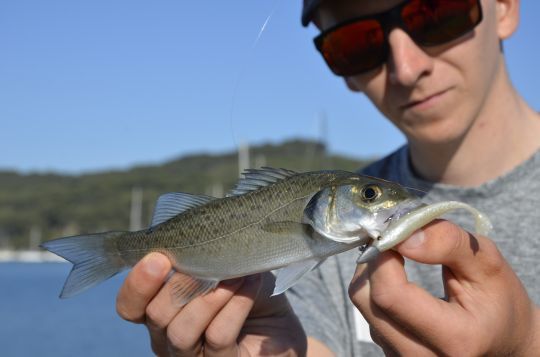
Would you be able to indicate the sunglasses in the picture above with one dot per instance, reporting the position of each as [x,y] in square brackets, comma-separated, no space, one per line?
[361,44]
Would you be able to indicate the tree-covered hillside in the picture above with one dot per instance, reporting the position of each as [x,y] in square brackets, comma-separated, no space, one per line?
[38,207]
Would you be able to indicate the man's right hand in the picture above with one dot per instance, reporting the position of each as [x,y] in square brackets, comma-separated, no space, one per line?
[238,318]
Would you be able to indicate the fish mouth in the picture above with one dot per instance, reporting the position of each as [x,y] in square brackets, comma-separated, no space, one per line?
[401,210]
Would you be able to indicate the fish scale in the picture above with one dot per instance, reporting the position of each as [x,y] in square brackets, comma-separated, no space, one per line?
[285,201]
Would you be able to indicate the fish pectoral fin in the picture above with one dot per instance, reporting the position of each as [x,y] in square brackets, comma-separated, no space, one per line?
[185,288]
[287,228]
[289,275]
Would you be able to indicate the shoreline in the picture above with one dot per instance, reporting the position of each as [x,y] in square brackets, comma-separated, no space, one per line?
[29,256]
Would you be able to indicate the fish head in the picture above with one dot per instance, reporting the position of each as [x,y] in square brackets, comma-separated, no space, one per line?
[358,208]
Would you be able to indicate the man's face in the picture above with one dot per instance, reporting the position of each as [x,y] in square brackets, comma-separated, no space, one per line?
[432,94]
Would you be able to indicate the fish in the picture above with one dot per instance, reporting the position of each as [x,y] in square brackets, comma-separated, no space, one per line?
[403,227]
[273,220]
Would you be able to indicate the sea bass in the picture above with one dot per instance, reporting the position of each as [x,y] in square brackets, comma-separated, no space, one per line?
[274,219]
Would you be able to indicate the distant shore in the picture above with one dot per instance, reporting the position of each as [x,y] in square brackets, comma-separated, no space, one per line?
[28,256]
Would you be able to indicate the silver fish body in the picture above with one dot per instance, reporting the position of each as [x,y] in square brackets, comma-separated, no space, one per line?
[274,219]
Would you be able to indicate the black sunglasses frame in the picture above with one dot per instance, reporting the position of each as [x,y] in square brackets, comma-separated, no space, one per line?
[389,20]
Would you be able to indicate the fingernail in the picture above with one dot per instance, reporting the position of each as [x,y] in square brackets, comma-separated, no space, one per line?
[153,265]
[414,241]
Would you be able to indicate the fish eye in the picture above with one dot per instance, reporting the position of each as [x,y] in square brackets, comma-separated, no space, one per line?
[370,193]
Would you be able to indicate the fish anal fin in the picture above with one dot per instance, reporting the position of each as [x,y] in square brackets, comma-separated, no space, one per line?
[289,275]
[185,288]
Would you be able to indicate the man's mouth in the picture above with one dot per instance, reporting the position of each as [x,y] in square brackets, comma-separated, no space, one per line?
[423,101]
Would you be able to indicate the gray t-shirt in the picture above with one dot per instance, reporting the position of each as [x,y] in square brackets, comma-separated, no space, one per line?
[511,202]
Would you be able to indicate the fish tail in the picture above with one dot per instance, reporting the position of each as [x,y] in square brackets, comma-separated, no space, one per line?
[94,257]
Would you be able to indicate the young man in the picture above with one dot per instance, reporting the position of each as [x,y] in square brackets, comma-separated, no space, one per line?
[436,69]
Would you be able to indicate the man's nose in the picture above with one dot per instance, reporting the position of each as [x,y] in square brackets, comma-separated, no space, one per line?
[407,62]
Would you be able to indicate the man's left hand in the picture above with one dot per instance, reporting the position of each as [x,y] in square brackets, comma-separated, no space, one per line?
[486,310]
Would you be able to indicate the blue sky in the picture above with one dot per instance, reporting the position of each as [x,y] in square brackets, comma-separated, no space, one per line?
[96,84]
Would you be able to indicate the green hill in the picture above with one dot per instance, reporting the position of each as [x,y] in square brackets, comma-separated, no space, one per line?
[53,205]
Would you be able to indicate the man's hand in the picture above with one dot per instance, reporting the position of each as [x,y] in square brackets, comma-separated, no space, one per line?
[486,310]
[237,319]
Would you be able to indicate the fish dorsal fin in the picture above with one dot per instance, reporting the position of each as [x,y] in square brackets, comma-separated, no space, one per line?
[255,179]
[174,203]
[289,275]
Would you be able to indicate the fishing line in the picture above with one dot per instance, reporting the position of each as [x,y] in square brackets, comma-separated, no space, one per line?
[408,188]
[243,69]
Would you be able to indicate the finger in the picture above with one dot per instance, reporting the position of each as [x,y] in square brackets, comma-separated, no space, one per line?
[384,331]
[379,340]
[272,315]
[411,308]
[186,329]
[141,285]
[221,336]
[469,257]
[159,314]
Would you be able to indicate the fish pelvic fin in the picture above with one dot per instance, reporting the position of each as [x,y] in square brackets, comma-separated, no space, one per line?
[94,257]
[291,274]
[185,288]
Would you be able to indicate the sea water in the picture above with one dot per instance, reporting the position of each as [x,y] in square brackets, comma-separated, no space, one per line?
[35,322]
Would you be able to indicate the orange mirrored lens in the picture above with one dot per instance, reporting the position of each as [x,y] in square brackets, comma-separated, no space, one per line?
[438,21]
[354,48]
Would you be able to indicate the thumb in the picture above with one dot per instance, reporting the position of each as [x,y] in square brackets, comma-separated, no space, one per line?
[469,257]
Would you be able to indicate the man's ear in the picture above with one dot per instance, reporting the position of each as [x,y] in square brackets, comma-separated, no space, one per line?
[507,17]
[351,84]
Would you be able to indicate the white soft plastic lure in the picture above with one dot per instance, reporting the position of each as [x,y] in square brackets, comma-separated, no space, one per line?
[406,225]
